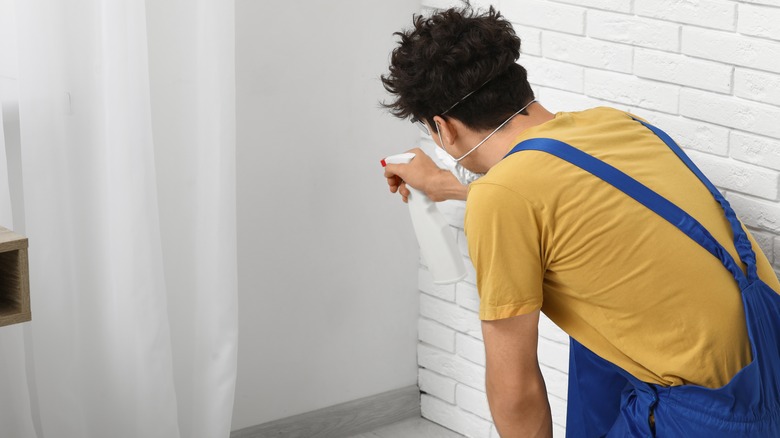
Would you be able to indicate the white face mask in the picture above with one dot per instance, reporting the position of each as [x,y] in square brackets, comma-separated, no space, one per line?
[463,175]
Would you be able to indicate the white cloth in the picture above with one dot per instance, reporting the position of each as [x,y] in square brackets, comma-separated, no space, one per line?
[463,175]
[127,124]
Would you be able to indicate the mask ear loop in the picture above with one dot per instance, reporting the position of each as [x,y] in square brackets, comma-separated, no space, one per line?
[463,175]
[441,141]
[494,131]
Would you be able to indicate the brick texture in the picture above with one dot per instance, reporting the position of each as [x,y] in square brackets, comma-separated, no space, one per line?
[690,134]
[609,5]
[731,48]
[546,15]
[705,71]
[759,21]
[631,90]
[718,14]
[763,151]
[554,74]
[737,113]
[761,2]
[757,85]
[682,70]
[587,52]
[437,385]
[632,30]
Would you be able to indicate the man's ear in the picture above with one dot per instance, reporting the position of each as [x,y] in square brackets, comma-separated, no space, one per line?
[449,132]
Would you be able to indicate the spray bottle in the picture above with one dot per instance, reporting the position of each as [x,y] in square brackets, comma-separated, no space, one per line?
[436,238]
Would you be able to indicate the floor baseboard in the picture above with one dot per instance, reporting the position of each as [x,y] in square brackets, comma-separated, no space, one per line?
[342,420]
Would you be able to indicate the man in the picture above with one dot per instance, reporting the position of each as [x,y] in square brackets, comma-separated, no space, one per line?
[601,222]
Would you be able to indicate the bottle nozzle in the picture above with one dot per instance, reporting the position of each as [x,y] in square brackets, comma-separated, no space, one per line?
[398,159]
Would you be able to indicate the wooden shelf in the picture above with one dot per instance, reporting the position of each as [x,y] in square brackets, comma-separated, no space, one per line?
[14,279]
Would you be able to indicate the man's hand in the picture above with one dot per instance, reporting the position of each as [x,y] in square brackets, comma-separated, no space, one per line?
[515,387]
[424,175]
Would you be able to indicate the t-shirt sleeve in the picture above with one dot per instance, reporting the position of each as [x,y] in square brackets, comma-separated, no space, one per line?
[504,240]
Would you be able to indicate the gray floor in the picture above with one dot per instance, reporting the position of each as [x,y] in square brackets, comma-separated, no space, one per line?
[410,428]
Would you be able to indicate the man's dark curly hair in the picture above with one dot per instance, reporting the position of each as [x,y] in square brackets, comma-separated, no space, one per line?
[450,54]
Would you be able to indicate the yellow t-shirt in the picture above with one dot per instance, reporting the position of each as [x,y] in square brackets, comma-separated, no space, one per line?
[545,234]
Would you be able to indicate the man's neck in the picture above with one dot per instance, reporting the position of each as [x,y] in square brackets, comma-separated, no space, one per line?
[496,148]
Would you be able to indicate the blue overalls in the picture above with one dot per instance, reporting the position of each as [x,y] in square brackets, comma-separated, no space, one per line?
[605,400]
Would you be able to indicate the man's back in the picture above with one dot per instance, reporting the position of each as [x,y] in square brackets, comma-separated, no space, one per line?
[624,282]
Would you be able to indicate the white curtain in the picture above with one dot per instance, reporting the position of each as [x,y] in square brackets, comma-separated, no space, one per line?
[128,157]
[14,395]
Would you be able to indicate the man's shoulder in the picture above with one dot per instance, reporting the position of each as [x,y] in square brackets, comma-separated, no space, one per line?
[516,179]
[601,114]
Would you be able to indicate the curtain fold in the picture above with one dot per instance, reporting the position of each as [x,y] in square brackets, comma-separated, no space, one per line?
[193,99]
[128,168]
[13,374]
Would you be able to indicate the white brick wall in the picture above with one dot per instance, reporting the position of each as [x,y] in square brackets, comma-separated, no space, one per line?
[547,15]
[683,70]
[706,71]
[717,14]
[632,30]
[731,48]
[759,21]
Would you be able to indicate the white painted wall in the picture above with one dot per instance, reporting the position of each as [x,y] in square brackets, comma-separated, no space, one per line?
[8,59]
[327,257]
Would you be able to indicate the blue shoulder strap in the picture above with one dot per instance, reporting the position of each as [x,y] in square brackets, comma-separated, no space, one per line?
[657,203]
[741,241]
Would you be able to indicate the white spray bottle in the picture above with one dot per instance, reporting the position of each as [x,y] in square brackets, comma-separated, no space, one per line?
[436,238]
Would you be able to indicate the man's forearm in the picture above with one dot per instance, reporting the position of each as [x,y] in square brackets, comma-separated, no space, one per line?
[444,186]
[521,414]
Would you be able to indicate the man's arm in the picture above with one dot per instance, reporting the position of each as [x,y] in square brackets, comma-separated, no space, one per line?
[515,387]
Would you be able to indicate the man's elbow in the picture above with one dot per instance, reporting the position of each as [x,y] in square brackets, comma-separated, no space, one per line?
[520,410]
[519,397]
